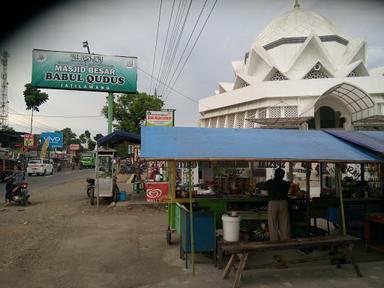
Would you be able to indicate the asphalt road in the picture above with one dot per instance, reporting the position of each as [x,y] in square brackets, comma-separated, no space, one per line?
[38,183]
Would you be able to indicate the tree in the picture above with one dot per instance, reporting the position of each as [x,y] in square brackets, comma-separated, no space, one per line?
[87,134]
[98,136]
[69,137]
[7,129]
[129,110]
[33,99]
[91,145]
[83,139]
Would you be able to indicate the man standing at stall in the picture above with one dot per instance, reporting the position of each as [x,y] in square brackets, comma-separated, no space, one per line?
[278,214]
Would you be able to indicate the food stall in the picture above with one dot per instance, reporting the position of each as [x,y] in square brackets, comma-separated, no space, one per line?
[105,168]
[232,160]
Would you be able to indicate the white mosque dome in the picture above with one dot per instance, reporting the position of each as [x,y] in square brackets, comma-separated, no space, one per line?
[296,23]
[301,44]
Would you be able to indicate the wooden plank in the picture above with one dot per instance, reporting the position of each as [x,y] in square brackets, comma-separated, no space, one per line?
[228,267]
[295,243]
[240,269]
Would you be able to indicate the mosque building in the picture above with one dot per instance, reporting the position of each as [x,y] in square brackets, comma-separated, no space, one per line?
[301,72]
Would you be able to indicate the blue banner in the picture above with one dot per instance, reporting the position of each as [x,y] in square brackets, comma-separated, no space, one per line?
[55,139]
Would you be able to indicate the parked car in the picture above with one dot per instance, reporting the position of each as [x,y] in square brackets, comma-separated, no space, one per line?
[40,167]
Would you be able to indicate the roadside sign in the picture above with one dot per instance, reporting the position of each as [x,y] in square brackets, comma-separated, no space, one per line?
[55,138]
[29,140]
[82,71]
[159,118]
[44,148]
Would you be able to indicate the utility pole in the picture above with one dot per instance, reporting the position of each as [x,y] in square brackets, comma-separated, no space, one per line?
[4,89]
[110,97]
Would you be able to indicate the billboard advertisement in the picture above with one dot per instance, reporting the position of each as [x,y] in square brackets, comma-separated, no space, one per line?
[159,118]
[55,139]
[82,71]
[29,140]
[74,147]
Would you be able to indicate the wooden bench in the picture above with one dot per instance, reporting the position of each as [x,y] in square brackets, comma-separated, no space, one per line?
[341,245]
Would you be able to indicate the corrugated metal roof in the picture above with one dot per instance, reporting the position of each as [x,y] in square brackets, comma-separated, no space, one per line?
[372,140]
[187,143]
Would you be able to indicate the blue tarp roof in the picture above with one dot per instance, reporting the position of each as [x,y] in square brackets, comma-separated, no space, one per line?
[187,143]
[117,137]
[372,140]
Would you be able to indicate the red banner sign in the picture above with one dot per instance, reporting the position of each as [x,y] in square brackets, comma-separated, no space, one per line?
[156,192]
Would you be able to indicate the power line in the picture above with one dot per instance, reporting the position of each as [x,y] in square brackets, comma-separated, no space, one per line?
[165,43]
[154,53]
[177,43]
[189,39]
[26,125]
[190,52]
[174,33]
[59,116]
[54,116]
[28,120]
[174,90]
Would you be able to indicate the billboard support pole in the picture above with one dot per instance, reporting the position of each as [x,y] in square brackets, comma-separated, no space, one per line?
[110,111]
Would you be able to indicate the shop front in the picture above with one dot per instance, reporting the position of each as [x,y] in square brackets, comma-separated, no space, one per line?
[226,170]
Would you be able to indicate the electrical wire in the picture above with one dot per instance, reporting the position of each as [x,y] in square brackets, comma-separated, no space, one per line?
[190,52]
[157,36]
[177,43]
[59,116]
[174,90]
[174,33]
[28,120]
[189,39]
[165,45]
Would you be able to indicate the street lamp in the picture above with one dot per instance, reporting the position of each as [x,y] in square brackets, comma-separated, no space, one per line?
[86,45]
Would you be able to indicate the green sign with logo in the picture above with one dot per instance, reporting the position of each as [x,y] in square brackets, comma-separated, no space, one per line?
[82,71]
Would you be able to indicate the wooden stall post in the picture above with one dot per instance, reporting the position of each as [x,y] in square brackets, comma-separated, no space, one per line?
[172,195]
[381,175]
[339,192]
[191,218]
[290,172]
[308,179]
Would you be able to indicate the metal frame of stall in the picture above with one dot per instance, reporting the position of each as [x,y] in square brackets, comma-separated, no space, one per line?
[148,153]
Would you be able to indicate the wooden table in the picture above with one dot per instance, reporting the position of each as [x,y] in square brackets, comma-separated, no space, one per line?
[240,251]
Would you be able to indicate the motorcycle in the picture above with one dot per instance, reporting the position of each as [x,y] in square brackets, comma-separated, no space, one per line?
[91,190]
[18,195]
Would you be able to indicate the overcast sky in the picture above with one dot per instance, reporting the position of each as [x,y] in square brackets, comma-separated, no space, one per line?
[128,28]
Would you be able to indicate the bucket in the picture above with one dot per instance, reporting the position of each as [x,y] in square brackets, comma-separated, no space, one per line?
[231,227]
[122,196]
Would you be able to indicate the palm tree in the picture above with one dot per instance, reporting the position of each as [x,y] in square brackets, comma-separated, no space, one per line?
[33,99]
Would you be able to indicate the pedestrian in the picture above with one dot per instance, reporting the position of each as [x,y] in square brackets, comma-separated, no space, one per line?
[278,213]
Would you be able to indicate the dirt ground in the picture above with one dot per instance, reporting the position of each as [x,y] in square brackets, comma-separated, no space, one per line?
[61,241]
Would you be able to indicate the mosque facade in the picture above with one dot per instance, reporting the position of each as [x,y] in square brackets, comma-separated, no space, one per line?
[301,72]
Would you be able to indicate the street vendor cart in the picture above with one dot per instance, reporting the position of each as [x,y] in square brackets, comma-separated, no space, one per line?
[105,176]
[105,166]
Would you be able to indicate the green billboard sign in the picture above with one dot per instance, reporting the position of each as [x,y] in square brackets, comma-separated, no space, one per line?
[82,71]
